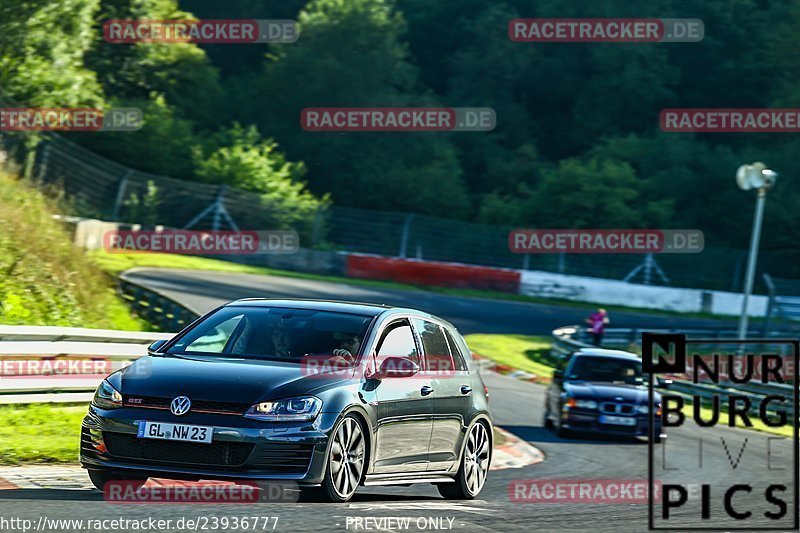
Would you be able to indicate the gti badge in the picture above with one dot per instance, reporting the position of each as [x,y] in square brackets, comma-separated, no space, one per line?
[180,405]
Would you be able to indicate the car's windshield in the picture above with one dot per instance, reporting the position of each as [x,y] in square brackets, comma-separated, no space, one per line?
[275,333]
[607,369]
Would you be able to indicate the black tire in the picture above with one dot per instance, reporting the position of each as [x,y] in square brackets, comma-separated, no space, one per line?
[99,478]
[548,424]
[461,489]
[328,490]
[657,438]
[561,431]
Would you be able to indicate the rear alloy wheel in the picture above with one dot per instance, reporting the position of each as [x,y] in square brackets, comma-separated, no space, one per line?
[474,467]
[345,460]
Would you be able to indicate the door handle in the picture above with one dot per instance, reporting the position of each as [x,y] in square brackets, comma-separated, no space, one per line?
[466,389]
[426,390]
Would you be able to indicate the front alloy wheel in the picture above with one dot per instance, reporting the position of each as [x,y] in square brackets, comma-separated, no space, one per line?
[345,460]
[474,466]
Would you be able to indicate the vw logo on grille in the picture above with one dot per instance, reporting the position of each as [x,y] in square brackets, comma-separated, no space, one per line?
[180,405]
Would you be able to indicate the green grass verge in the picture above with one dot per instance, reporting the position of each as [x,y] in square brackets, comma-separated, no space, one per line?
[44,279]
[40,433]
[117,263]
[524,352]
[758,425]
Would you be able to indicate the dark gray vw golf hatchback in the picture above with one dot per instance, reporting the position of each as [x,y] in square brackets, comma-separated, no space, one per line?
[329,395]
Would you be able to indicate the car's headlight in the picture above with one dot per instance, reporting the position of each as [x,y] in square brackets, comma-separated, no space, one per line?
[582,404]
[289,410]
[643,409]
[107,397]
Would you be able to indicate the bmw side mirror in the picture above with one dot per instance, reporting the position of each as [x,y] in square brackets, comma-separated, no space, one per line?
[153,348]
[396,367]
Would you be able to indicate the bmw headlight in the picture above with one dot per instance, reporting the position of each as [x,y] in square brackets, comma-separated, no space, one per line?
[300,409]
[581,404]
[644,409]
[107,397]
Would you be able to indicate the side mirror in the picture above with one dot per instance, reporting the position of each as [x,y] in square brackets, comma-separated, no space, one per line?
[153,348]
[663,383]
[396,367]
[558,375]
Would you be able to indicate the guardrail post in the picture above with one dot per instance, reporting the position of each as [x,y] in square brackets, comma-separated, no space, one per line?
[123,185]
[770,304]
[404,235]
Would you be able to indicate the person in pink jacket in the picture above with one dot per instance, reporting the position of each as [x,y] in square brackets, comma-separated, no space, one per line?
[597,324]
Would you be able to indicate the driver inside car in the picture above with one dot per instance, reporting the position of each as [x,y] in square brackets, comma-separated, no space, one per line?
[282,340]
[348,349]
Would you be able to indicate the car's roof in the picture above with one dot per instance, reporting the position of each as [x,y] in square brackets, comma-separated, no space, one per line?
[320,305]
[359,308]
[602,352]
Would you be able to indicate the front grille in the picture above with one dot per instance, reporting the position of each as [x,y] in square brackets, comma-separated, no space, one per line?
[216,454]
[198,406]
[283,458]
[620,408]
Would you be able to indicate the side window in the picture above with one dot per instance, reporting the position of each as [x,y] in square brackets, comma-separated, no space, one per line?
[458,357]
[215,340]
[437,352]
[398,342]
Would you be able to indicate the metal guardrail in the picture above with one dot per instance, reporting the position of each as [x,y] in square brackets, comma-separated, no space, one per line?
[568,339]
[29,353]
[156,307]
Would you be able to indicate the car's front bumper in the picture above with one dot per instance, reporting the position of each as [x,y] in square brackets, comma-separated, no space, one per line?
[240,449]
[590,422]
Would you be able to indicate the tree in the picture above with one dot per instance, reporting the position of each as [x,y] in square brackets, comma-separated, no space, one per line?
[180,72]
[243,160]
[591,194]
[42,47]
[355,46]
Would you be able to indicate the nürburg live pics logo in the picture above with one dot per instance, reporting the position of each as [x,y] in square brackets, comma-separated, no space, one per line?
[729,409]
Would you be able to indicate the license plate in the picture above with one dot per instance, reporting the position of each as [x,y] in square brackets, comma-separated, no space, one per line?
[617,420]
[170,431]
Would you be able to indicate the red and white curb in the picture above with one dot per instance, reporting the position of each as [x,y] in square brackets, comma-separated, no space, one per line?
[514,453]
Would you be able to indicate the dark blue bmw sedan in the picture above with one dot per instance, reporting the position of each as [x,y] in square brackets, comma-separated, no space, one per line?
[602,391]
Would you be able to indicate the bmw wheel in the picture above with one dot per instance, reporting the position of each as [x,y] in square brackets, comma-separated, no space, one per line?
[474,466]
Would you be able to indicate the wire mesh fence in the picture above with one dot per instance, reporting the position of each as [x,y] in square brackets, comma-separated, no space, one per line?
[95,186]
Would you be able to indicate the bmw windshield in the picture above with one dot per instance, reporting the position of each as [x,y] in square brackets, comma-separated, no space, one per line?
[280,334]
[607,370]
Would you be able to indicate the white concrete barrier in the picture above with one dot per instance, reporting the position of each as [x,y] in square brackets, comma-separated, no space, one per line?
[614,292]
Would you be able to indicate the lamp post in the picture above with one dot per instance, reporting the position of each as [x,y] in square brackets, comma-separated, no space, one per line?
[756,176]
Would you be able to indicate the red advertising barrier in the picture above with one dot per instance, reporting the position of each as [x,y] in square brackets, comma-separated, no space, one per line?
[432,273]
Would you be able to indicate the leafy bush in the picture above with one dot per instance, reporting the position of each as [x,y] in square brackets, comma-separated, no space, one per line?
[44,278]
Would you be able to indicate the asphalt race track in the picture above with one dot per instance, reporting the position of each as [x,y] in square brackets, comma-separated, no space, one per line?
[516,405]
[202,291]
